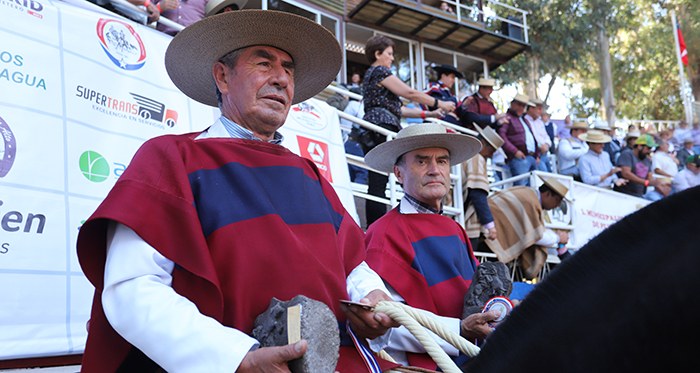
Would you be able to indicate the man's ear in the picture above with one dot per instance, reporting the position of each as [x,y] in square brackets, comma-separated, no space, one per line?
[398,171]
[220,71]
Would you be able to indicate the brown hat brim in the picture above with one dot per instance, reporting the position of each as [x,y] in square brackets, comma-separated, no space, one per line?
[191,55]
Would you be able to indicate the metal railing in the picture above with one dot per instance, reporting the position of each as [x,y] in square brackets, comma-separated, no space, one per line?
[478,14]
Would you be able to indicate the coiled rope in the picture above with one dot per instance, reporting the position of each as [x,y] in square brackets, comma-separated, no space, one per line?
[414,320]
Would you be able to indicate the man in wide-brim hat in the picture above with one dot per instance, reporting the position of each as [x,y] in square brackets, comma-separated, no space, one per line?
[203,229]
[442,88]
[479,109]
[404,244]
[595,166]
[571,149]
[519,144]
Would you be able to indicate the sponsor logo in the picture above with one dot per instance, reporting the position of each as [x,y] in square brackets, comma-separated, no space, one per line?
[16,221]
[136,108]
[316,151]
[9,148]
[32,7]
[121,43]
[309,116]
[12,75]
[96,168]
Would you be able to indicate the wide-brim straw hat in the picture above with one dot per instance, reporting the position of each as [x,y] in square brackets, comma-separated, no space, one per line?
[191,55]
[602,125]
[447,70]
[689,140]
[595,136]
[214,6]
[525,99]
[491,137]
[578,125]
[419,136]
[556,186]
[486,82]
[634,134]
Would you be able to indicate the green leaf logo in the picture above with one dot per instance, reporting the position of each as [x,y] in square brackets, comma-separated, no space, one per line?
[94,167]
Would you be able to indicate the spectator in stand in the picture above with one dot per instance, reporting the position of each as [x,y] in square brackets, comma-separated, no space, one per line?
[595,166]
[613,146]
[352,146]
[662,189]
[666,135]
[636,167]
[629,142]
[480,110]
[380,94]
[685,151]
[355,81]
[534,117]
[662,162]
[681,133]
[551,129]
[519,142]
[475,187]
[690,176]
[563,131]
[442,89]
[445,7]
[695,133]
[571,149]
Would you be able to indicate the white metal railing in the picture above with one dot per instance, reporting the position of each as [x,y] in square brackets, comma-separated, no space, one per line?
[479,14]
[137,10]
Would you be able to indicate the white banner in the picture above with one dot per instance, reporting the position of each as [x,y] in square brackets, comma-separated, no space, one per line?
[80,91]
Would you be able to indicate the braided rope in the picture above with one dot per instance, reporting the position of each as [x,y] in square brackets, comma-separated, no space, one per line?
[415,320]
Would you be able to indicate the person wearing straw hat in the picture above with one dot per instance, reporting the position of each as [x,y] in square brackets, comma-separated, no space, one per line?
[636,167]
[479,109]
[475,187]
[685,151]
[690,176]
[595,166]
[519,143]
[534,117]
[518,213]
[629,140]
[442,88]
[202,230]
[612,147]
[424,257]
[571,149]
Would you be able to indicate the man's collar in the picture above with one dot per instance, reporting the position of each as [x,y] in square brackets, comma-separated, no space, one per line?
[410,205]
[236,131]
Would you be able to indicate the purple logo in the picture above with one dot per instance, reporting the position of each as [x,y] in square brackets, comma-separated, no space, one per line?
[7,152]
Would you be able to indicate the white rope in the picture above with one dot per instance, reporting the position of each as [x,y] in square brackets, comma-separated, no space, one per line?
[415,320]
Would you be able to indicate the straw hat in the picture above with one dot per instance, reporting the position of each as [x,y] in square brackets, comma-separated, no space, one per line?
[419,136]
[447,70]
[689,140]
[632,134]
[191,55]
[486,82]
[602,125]
[491,137]
[556,186]
[595,136]
[214,6]
[578,125]
[525,99]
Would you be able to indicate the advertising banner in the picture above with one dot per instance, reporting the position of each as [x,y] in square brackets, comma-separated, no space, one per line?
[80,90]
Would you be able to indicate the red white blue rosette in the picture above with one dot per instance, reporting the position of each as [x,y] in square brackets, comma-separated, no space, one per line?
[502,304]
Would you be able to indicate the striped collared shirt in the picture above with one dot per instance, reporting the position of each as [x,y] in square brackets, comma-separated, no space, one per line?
[410,205]
[238,132]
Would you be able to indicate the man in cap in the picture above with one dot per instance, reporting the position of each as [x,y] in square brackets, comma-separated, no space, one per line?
[686,150]
[442,89]
[571,149]
[519,144]
[534,117]
[636,167]
[595,166]
[475,187]
[480,110]
[519,217]
[424,257]
[202,230]
[690,176]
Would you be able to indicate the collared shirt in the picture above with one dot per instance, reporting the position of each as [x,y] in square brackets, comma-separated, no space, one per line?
[570,150]
[529,138]
[410,205]
[664,162]
[539,130]
[593,165]
[238,132]
[685,179]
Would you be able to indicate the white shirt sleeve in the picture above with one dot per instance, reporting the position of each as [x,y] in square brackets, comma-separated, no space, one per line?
[549,239]
[143,308]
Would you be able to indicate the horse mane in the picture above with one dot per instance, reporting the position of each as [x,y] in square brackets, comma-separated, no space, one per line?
[627,301]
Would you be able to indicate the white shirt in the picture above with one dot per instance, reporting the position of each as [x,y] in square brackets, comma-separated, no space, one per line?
[685,179]
[142,307]
[529,138]
[664,162]
[539,131]
[569,152]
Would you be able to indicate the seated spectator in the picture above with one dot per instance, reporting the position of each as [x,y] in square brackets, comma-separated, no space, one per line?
[636,167]
[551,129]
[666,135]
[519,142]
[595,166]
[662,162]
[613,146]
[690,176]
[571,149]
[352,146]
[563,131]
[631,137]
[680,134]
[695,133]
[685,151]
[662,189]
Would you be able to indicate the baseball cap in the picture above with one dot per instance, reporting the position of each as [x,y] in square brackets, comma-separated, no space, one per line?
[646,140]
[695,158]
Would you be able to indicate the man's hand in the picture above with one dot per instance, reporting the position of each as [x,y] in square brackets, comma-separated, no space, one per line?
[664,189]
[272,359]
[621,182]
[437,113]
[493,234]
[519,154]
[153,13]
[467,101]
[615,170]
[447,106]
[476,326]
[169,5]
[563,236]
[503,120]
[367,324]
[544,148]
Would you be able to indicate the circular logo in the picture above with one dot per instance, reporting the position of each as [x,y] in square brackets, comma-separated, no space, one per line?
[94,166]
[8,151]
[121,43]
[309,116]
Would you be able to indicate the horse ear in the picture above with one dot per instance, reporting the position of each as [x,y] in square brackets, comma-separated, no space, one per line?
[609,307]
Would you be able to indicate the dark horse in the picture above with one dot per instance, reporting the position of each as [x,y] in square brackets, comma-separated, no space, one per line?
[628,301]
